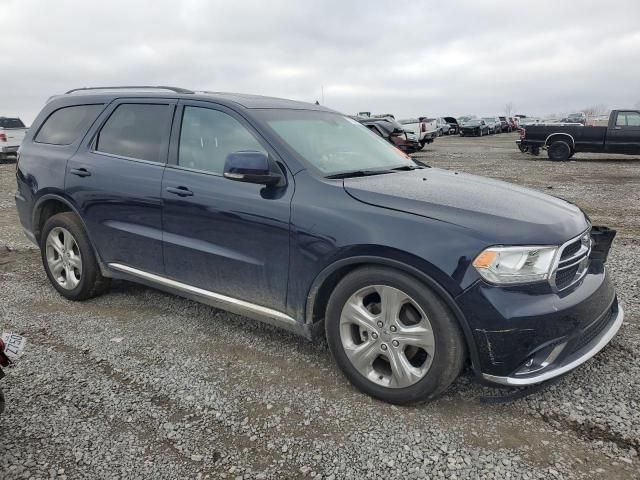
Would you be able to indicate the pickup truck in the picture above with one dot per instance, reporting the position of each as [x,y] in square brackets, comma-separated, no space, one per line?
[425,129]
[12,132]
[562,141]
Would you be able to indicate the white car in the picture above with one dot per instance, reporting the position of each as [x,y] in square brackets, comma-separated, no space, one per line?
[12,132]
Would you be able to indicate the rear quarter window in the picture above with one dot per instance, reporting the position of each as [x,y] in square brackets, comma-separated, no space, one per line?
[67,124]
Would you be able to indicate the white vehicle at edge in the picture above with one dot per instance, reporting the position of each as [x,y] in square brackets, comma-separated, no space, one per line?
[424,129]
[12,132]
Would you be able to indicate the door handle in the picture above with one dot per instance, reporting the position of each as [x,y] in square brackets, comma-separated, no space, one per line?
[80,172]
[180,191]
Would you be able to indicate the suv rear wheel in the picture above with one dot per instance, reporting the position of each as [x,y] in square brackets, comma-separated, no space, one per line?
[392,336]
[69,259]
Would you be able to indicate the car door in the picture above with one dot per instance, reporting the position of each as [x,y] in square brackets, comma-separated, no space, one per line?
[623,135]
[223,236]
[115,180]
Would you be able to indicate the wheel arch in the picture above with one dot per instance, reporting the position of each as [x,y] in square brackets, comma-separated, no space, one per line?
[51,204]
[556,136]
[328,278]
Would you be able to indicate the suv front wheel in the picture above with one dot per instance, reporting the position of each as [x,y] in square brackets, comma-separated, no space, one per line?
[392,336]
[69,259]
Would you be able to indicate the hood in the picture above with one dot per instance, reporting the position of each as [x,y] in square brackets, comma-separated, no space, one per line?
[498,212]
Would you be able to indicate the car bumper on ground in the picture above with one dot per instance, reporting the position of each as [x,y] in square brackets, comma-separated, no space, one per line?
[527,335]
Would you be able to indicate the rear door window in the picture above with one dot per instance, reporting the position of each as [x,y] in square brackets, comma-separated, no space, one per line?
[136,130]
[67,124]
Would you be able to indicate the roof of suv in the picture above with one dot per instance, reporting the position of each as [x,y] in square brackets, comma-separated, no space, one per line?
[242,99]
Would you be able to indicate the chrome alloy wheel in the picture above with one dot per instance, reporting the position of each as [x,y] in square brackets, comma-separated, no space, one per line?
[387,336]
[63,258]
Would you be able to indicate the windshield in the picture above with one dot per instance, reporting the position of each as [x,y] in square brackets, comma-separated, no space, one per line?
[333,143]
[473,123]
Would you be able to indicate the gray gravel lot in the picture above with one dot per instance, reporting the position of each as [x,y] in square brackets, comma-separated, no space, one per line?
[141,384]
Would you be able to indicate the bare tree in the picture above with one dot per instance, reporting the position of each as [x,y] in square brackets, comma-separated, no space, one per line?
[508,109]
[595,110]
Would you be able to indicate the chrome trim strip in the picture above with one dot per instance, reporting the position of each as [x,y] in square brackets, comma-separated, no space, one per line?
[579,255]
[217,297]
[556,262]
[560,133]
[520,382]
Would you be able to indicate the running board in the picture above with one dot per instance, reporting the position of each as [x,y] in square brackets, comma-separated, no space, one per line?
[225,302]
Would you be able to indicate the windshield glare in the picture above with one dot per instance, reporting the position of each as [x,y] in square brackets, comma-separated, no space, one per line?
[333,143]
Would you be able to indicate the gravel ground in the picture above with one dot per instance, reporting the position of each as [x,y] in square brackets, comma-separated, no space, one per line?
[141,384]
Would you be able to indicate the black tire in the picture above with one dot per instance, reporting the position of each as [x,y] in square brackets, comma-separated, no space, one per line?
[91,282]
[535,151]
[559,151]
[450,350]
[461,134]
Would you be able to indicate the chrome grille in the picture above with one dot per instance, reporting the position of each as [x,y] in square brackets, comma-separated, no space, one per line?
[572,262]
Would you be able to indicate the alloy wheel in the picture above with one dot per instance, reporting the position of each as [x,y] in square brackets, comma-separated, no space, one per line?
[64,258]
[387,336]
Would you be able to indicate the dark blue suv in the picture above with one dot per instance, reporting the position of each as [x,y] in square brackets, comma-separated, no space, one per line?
[299,216]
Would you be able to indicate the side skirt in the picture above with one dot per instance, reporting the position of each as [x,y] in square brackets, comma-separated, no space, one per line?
[218,300]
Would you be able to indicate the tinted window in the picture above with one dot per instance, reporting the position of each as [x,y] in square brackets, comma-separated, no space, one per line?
[628,119]
[208,136]
[66,125]
[11,123]
[136,131]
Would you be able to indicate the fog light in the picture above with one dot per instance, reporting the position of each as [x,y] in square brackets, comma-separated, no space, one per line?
[541,359]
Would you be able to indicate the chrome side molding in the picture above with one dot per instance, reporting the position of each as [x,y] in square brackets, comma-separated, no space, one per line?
[216,298]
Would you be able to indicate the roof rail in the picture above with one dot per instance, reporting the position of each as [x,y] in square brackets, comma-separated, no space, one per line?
[133,87]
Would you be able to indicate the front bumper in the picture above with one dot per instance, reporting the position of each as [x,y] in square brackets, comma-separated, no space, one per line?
[571,361]
[523,335]
[13,149]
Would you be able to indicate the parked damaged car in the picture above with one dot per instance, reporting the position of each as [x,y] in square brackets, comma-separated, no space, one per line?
[296,215]
[474,128]
[386,127]
[425,129]
[454,127]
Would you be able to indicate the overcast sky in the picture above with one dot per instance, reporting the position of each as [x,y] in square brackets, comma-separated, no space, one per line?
[408,58]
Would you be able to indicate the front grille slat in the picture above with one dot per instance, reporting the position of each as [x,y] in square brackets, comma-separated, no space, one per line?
[573,262]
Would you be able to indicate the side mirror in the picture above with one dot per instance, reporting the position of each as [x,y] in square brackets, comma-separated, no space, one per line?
[250,167]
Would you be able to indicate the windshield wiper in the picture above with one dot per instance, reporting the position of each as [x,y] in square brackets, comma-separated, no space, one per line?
[359,173]
[407,168]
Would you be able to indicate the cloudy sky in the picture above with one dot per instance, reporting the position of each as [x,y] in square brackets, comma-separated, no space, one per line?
[408,58]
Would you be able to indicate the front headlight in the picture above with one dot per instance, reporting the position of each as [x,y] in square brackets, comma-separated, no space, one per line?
[508,265]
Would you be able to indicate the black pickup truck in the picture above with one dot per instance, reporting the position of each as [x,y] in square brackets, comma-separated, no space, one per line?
[562,141]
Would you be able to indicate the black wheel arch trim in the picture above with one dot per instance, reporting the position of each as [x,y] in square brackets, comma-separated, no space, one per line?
[419,274]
